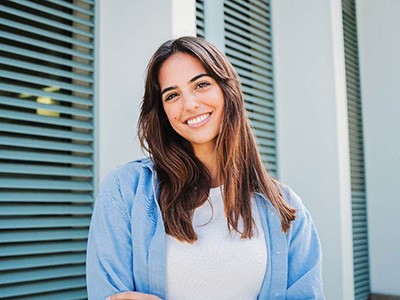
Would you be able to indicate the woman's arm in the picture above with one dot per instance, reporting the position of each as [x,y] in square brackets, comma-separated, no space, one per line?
[109,253]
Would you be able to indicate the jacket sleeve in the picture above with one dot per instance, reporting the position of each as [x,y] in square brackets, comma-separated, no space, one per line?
[304,257]
[109,252]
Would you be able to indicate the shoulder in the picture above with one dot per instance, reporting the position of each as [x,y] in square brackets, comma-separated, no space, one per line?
[133,180]
[291,197]
[127,175]
[303,217]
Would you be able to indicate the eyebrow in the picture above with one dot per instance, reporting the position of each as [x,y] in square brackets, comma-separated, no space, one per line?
[197,77]
[190,81]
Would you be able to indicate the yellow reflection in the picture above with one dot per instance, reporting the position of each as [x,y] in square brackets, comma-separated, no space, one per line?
[48,101]
[45,112]
[51,89]
[23,95]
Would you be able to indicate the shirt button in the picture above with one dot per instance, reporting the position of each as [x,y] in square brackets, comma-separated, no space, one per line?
[276,294]
[278,252]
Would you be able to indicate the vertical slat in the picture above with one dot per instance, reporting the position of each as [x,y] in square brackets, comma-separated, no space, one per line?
[46,146]
[248,47]
[200,18]
[359,207]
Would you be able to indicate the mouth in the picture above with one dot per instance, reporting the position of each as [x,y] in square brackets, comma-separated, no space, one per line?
[198,119]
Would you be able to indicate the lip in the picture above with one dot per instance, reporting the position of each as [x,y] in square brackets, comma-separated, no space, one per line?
[200,123]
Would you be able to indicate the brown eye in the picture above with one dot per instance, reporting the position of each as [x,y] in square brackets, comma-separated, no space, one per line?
[202,85]
[170,97]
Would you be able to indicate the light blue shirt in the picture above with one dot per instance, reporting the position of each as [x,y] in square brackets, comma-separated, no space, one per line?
[126,246]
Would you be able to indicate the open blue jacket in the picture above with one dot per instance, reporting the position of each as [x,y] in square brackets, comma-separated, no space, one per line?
[126,246]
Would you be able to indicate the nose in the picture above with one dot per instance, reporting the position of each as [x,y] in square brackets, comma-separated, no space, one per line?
[191,102]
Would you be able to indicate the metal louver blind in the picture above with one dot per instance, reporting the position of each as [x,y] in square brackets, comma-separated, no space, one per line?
[359,207]
[46,146]
[200,18]
[248,47]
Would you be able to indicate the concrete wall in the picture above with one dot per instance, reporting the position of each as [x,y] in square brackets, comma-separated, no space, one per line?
[312,135]
[379,53]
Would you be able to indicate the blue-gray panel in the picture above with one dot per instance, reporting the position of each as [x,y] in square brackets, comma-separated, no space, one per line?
[46,146]
[359,207]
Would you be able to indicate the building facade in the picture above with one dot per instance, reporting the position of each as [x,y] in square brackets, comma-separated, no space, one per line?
[320,80]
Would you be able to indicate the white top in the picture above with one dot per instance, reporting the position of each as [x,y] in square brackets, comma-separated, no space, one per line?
[219,265]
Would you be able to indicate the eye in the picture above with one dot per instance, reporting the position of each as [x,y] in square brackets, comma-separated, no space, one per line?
[170,97]
[202,85]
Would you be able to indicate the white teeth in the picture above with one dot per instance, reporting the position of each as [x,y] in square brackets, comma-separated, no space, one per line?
[198,119]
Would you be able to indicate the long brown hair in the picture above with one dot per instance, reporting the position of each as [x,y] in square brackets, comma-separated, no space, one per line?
[184,182]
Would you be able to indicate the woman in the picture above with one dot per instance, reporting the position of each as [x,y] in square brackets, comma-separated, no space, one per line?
[200,219]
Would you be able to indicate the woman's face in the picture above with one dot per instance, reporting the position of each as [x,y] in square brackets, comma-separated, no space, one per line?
[192,101]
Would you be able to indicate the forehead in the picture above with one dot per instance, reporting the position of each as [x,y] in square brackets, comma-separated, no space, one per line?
[178,69]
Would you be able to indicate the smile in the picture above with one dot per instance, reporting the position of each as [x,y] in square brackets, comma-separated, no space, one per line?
[198,119]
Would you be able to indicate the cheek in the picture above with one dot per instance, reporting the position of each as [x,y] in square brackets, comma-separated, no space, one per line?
[168,113]
[218,99]
[172,118]
[172,112]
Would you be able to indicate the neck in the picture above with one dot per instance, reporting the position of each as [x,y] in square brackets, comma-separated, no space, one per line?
[209,158]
